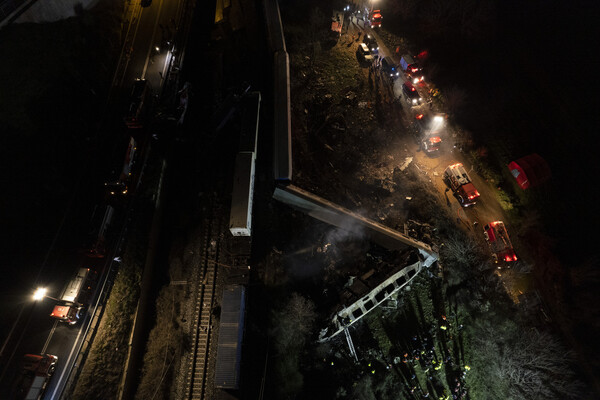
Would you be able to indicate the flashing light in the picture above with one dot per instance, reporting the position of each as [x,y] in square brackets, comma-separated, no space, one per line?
[438,118]
[419,116]
[435,139]
[412,89]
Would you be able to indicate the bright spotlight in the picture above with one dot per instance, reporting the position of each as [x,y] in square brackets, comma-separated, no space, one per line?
[39,294]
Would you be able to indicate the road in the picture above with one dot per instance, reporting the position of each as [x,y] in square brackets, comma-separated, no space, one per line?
[147,53]
[470,219]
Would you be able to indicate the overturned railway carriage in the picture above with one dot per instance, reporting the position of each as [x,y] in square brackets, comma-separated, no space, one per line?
[365,293]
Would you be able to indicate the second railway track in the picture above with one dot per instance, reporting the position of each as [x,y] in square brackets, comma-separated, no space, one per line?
[204,299]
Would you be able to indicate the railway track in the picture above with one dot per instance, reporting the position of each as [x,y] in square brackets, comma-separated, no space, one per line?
[206,281]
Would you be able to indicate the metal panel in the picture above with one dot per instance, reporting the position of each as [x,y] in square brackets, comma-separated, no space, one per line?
[231,331]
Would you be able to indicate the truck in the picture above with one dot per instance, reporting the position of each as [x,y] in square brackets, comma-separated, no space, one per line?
[37,371]
[119,186]
[459,181]
[497,238]
[428,129]
[376,19]
[412,69]
[138,104]
[71,305]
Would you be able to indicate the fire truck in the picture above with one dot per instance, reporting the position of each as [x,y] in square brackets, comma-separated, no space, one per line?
[428,129]
[497,237]
[71,305]
[376,19]
[37,371]
[459,181]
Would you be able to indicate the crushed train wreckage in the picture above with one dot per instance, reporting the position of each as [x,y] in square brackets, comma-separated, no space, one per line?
[363,294]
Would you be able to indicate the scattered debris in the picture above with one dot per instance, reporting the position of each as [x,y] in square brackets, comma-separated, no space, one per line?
[406,163]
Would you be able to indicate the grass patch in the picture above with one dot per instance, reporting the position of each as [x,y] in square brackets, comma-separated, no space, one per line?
[165,346]
[103,369]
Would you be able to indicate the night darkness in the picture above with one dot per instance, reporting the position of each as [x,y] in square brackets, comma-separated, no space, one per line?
[530,74]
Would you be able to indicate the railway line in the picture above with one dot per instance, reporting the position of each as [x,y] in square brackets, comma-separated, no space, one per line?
[205,279]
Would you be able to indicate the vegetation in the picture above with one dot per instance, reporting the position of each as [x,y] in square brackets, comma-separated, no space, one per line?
[165,346]
[454,333]
[101,375]
[292,325]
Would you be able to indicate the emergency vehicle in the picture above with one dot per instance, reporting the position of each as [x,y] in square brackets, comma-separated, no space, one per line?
[71,305]
[428,130]
[37,371]
[497,237]
[376,19]
[459,181]
[412,69]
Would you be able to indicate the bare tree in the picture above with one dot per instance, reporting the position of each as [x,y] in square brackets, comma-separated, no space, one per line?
[459,255]
[292,326]
[293,323]
[511,364]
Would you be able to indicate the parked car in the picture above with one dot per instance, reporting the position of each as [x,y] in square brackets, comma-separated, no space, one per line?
[371,43]
[411,94]
[389,68]
[364,54]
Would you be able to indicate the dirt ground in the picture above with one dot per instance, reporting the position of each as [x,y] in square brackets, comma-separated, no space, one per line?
[353,136]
